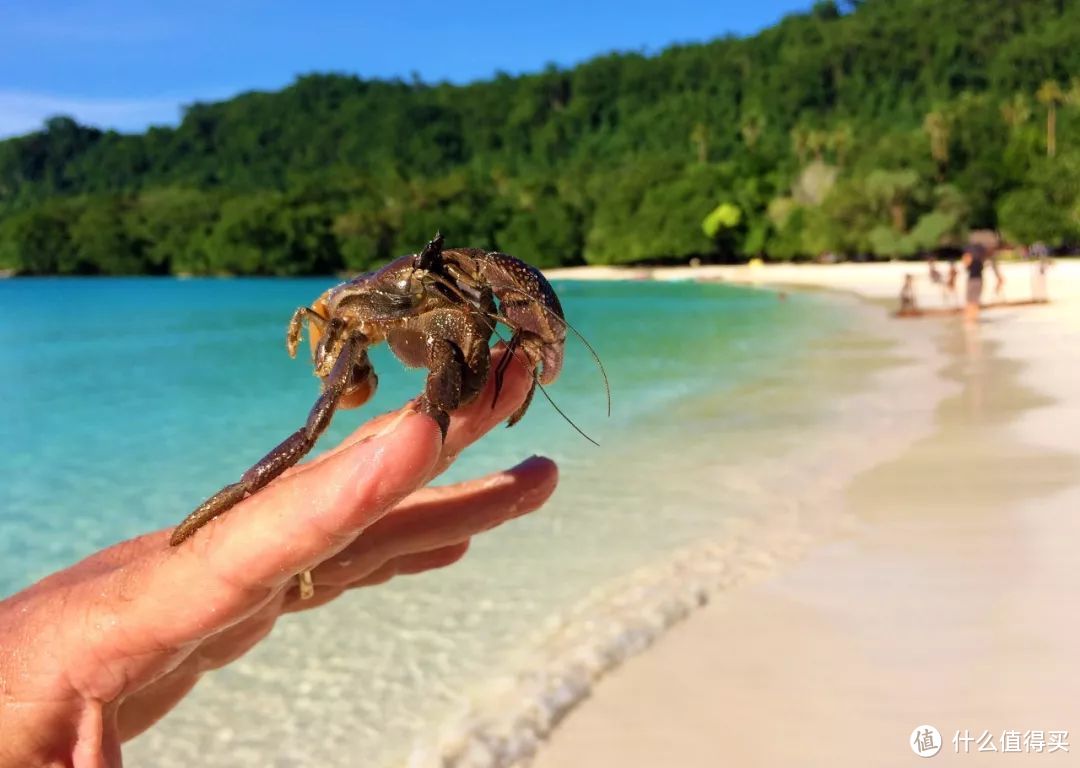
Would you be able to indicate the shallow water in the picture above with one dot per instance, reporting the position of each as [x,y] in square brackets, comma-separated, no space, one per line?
[126,401]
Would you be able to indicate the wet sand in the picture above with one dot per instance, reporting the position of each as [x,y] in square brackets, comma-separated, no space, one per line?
[949,603]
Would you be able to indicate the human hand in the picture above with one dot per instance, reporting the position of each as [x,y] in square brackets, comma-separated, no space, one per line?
[95,654]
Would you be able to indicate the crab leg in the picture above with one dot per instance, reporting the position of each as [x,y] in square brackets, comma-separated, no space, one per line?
[287,453]
[442,392]
[292,336]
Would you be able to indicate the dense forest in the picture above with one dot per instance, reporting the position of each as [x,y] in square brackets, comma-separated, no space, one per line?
[872,127]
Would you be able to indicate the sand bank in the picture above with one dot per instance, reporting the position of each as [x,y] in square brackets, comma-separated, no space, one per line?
[948,604]
[879,280]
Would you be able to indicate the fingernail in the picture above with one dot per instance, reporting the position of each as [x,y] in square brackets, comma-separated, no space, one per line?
[534,459]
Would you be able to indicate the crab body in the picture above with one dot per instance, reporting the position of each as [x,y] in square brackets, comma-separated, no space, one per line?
[437,309]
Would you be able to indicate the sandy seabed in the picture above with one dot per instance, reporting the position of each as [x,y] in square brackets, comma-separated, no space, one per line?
[948,602]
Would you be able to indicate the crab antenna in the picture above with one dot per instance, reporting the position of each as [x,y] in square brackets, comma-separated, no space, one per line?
[596,359]
[513,350]
[581,337]
[559,411]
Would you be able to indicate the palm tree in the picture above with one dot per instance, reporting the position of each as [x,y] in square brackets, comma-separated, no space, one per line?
[893,191]
[841,140]
[751,127]
[817,141]
[1050,94]
[699,137]
[1016,111]
[937,125]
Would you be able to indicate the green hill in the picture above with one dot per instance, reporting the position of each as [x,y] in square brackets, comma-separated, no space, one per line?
[883,126]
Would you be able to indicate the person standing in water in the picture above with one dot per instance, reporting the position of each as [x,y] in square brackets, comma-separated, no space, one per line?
[974,260]
[907,296]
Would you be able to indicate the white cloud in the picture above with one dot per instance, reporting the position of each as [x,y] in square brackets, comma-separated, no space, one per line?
[22,112]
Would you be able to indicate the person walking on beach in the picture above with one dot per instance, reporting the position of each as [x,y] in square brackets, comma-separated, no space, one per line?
[975,259]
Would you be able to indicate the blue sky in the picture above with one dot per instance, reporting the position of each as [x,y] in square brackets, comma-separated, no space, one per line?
[128,63]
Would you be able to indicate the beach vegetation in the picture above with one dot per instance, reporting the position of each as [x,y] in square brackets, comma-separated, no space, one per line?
[880,127]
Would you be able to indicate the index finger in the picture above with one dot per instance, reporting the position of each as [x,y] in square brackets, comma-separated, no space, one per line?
[239,561]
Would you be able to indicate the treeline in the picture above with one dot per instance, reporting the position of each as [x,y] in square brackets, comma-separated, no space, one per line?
[884,127]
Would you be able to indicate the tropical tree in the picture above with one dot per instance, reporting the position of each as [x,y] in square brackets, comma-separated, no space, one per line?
[699,137]
[1027,215]
[841,142]
[1050,95]
[750,128]
[721,226]
[39,241]
[893,191]
[617,159]
[1016,111]
[936,124]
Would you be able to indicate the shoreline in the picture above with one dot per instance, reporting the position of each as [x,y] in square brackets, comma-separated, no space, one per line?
[729,680]
[868,280]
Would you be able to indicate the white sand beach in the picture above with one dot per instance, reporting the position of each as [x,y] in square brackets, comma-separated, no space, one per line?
[949,603]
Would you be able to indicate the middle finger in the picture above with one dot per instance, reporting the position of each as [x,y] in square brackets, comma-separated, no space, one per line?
[438,517]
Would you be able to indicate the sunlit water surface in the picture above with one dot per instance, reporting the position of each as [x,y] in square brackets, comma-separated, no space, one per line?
[126,401]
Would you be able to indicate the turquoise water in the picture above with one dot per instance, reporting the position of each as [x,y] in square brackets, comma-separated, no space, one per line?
[126,401]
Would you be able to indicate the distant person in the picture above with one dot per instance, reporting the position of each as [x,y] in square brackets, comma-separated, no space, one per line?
[938,279]
[975,259]
[935,273]
[1040,265]
[907,296]
[951,298]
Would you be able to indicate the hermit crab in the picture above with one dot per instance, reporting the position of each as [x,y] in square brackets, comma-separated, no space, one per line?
[437,309]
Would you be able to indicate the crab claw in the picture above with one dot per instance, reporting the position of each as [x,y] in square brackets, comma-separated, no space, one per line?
[361,385]
[550,360]
[528,304]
